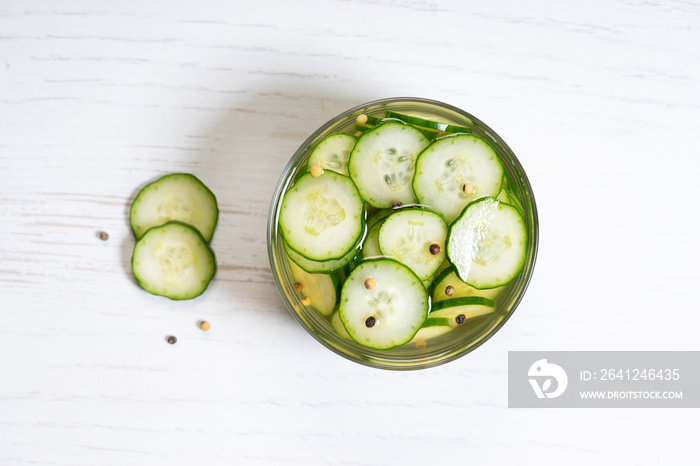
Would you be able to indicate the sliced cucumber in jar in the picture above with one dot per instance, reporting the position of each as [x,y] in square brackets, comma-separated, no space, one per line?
[416,238]
[487,244]
[383,304]
[370,247]
[173,260]
[426,123]
[448,285]
[322,217]
[433,328]
[455,170]
[508,198]
[333,153]
[383,161]
[317,290]
[321,266]
[458,310]
[177,197]
[338,327]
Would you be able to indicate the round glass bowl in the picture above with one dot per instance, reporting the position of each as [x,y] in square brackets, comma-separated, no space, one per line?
[415,354]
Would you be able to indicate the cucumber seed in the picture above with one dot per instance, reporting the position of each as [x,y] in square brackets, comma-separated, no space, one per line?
[468,188]
[450,290]
[435,249]
[298,287]
[370,283]
[305,300]
[460,319]
[204,325]
[361,119]
[316,170]
[370,321]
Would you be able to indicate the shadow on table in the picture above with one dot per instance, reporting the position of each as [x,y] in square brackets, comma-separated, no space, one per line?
[241,158]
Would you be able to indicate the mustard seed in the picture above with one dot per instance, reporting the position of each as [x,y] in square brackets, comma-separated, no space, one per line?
[370,283]
[316,170]
[450,290]
[204,325]
[435,249]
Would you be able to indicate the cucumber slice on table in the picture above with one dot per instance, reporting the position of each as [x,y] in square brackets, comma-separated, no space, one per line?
[386,311]
[319,289]
[416,238]
[180,197]
[383,162]
[487,244]
[322,218]
[173,260]
[333,153]
[450,164]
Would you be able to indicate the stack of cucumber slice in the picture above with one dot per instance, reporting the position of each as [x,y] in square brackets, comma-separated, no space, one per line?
[173,220]
[402,232]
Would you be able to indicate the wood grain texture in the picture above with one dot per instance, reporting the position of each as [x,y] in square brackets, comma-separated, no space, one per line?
[599,100]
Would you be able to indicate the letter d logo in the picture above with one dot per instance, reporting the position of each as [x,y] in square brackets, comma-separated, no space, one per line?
[542,369]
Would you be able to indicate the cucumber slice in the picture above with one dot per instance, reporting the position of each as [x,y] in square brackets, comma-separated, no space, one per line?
[333,153]
[508,198]
[320,266]
[338,326]
[487,244]
[383,162]
[173,260]
[447,165]
[427,132]
[320,289]
[409,236]
[459,289]
[379,215]
[370,247]
[469,307]
[390,312]
[420,121]
[181,197]
[433,328]
[322,218]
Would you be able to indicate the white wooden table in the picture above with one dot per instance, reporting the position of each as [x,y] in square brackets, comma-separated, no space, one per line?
[600,101]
